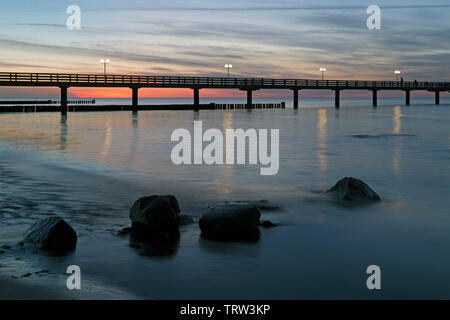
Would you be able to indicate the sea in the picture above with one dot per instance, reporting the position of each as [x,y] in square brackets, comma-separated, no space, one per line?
[90,167]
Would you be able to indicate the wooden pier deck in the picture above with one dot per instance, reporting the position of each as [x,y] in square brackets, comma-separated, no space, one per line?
[135,82]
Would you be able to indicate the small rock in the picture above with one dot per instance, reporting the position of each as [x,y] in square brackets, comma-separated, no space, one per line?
[2,252]
[52,234]
[267,224]
[26,275]
[6,247]
[155,216]
[352,189]
[42,271]
[231,222]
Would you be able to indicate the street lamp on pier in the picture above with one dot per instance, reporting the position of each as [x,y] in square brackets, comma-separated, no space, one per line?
[228,67]
[322,70]
[397,72]
[104,62]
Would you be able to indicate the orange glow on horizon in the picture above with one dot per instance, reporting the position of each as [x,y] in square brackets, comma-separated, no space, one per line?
[125,93]
[165,93]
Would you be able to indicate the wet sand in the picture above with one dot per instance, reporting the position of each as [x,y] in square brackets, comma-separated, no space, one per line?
[22,289]
[26,289]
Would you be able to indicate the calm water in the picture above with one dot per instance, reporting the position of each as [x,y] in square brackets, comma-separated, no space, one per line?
[90,167]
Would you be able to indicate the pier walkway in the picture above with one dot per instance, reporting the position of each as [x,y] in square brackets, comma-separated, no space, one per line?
[249,85]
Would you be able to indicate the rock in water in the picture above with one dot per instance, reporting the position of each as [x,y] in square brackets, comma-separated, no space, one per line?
[155,216]
[52,234]
[231,222]
[353,189]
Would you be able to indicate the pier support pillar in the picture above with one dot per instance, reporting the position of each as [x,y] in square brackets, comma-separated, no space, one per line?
[337,98]
[295,98]
[436,97]
[249,98]
[196,98]
[374,98]
[408,97]
[64,100]
[135,98]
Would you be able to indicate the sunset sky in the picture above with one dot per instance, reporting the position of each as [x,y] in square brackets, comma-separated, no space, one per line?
[274,39]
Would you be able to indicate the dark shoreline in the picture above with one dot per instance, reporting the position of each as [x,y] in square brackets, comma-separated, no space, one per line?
[83,108]
[112,107]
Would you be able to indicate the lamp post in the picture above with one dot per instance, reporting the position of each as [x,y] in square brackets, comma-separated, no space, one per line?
[397,72]
[228,67]
[104,62]
[322,70]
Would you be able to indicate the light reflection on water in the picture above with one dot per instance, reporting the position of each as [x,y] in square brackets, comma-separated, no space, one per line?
[397,118]
[322,137]
[90,167]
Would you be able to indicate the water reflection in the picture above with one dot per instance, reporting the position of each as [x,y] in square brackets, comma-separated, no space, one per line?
[108,137]
[397,118]
[159,248]
[223,186]
[135,141]
[245,250]
[63,133]
[322,139]
[135,119]
[196,115]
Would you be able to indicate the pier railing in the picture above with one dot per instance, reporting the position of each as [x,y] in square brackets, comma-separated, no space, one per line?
[58,79]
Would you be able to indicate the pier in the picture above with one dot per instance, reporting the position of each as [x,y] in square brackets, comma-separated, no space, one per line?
[249,85]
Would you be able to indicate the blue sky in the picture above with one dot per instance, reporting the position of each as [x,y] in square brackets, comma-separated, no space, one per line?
[260,38]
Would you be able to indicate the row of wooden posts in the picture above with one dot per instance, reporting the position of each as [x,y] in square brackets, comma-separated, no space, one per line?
[281,105]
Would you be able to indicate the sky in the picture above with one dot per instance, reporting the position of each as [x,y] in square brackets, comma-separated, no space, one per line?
[273,39]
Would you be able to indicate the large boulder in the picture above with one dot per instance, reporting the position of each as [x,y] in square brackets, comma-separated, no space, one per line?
[52,234]
[155,216]
[352,189]
[231,222]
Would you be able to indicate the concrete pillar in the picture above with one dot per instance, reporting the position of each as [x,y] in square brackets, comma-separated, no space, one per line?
[63,100]
[337,98]
[295,98]
[249,99]
[196,98]
[436,97]
[374,98]
[408,97]
[135,98]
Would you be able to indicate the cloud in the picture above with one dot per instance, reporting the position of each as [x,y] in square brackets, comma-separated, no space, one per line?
[258,37]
